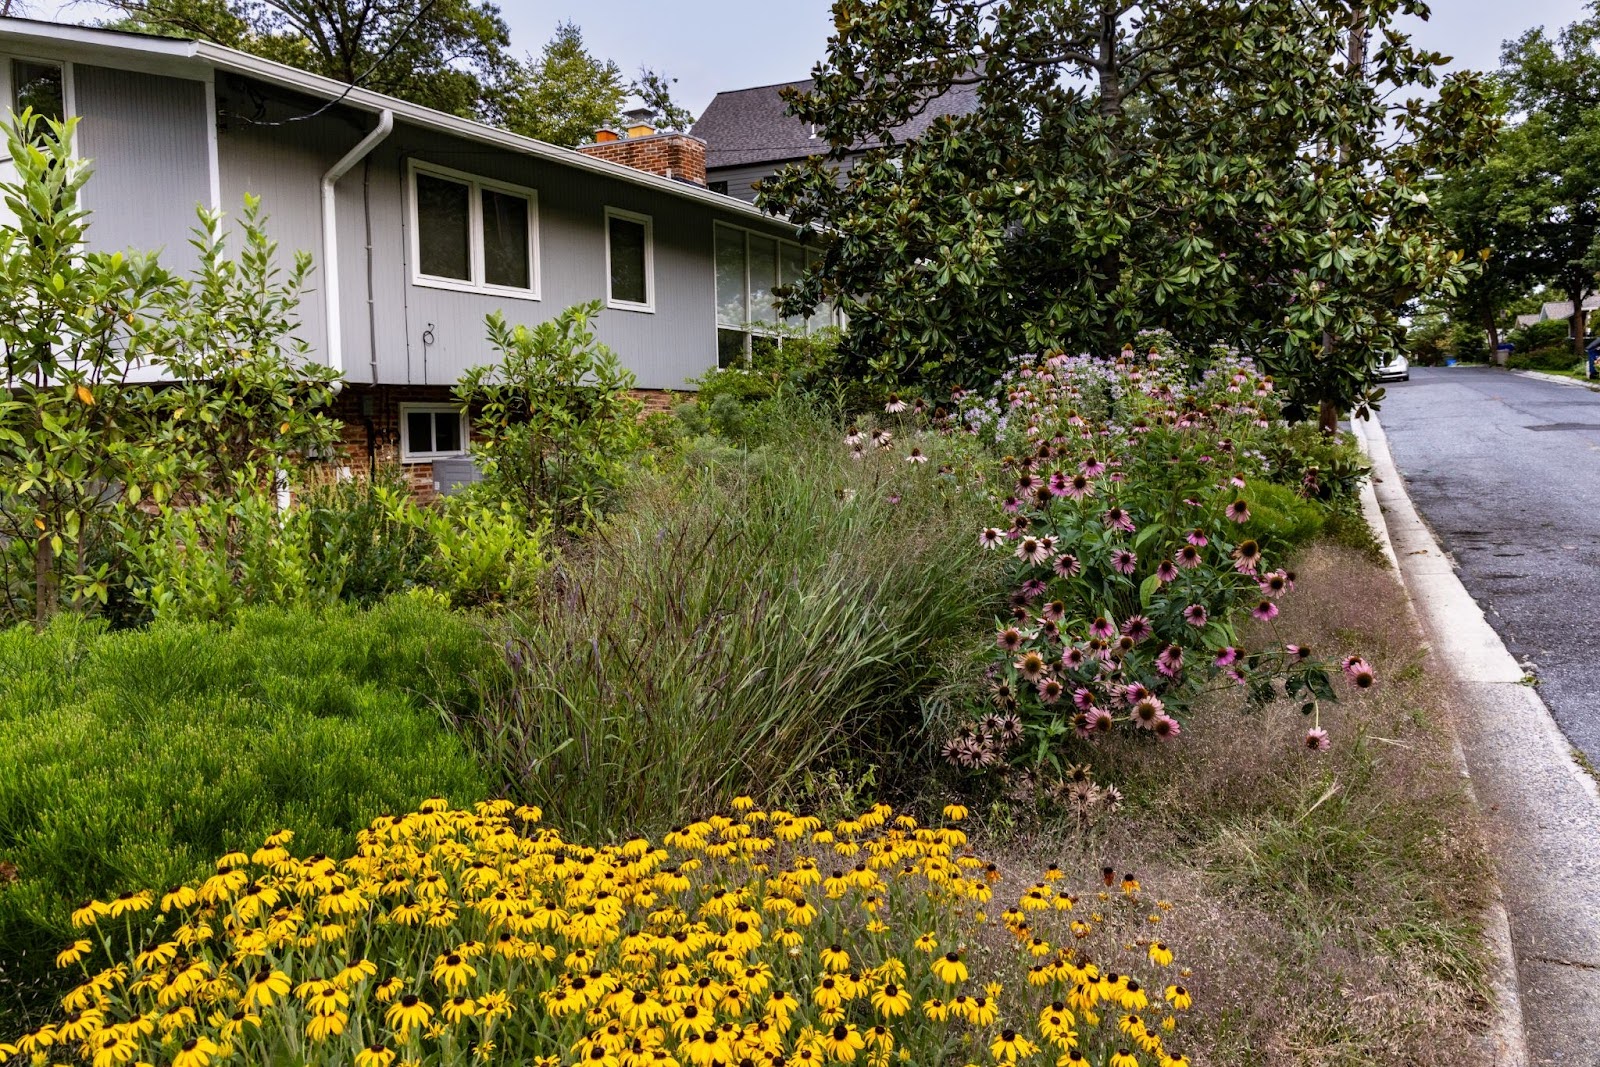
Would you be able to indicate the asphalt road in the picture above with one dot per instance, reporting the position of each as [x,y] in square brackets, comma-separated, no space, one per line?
[1506,470]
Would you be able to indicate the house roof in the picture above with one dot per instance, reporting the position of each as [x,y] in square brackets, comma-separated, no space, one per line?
[1562,309]
[748,126]
[180,56]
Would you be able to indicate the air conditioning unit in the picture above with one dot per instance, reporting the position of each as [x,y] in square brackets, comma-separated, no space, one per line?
[450,475]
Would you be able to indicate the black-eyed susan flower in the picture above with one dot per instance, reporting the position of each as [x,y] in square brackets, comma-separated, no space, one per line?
[195,1052]
[1009,1046]
[949,968]
[375,1056]
[407,1013]
[72,953]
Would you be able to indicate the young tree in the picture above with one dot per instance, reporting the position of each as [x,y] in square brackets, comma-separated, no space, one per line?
[654,90]
[566,94]
[1220,170]
[445,54]
[74,431]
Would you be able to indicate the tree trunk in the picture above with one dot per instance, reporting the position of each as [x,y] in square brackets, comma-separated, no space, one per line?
[1578,327]
[44,582]
[1328,417]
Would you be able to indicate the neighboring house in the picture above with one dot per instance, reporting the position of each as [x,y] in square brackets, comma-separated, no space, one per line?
[420,223]
[1560,311]
[750,135]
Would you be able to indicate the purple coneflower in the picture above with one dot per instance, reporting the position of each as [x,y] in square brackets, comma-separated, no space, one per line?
[1092,467]
[1187,557]
[853,436]
[1083,698]
[1053,611]
[1147,710]
[1073,658]
[1298,652]
[1067,565]
[1009,639]
[1361,676]
[1198,538]
[1012,505]
[1265,611]
[1103,628]
[1228,656]
[1237,675]
[893,498]
[881,437]
[916,456]
[1195,615]
[1032,550]
[1317,739]
[1165,572]
[1032,589]
[1274,584]
[858,452]
[1050,691]
[1027,484]
[1137,628]
[1165,727]
[1238,511]
[1093,721]
[895,405]
[1124,560]
[1245,556]
[1117,519]
[1169,661]
[991,537]
[1031,666]
[1134,692]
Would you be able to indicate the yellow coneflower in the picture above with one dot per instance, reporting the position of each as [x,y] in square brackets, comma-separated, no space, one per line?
[949,968]
[408,1013]
[452,971]
[375,1056]
[1010,1046]
[72,953]
[842,1042]
[195,1052]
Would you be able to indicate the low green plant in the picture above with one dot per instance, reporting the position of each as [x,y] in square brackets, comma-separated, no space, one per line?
[137,757]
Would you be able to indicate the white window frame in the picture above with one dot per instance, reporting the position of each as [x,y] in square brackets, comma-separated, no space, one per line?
[407,410]
[649,304]
[475,251]
[69,95]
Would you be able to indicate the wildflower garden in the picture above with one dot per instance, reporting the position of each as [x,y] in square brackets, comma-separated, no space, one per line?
[1060,718]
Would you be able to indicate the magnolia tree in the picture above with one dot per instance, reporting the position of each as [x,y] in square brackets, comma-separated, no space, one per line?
[1247,173]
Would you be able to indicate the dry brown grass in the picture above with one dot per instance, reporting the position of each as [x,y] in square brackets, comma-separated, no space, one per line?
[1326,904]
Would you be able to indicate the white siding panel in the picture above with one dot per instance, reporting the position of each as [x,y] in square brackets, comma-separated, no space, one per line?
[146,136]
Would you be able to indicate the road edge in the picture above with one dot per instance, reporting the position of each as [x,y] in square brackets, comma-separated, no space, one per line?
[1559,379]
[1507,1036]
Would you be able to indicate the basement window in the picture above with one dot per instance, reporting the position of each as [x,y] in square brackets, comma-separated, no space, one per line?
[431,431]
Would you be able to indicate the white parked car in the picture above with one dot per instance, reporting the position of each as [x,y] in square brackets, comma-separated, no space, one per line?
[1397,369]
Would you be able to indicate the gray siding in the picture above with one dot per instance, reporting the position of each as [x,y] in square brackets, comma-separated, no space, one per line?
[429,336]
[146,136]
[742,179]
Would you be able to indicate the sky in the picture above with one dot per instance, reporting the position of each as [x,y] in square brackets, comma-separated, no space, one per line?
[709,45]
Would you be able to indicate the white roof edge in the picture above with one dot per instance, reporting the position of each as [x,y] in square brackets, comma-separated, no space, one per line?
[237,62]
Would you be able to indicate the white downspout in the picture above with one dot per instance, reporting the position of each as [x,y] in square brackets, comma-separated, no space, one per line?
[330,236]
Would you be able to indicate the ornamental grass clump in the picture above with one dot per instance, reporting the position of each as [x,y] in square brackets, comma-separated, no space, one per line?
[756,938]
[1127,510]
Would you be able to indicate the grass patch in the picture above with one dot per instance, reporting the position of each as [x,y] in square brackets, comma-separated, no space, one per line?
[136,758]
[739,624]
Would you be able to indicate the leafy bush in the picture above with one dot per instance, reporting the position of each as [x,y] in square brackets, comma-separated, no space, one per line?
[1547,334]
[1553,358]
[557,424]
[476,933]
[735,625]
[136,757]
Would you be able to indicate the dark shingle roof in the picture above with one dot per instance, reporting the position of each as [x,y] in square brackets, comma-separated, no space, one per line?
[745,126]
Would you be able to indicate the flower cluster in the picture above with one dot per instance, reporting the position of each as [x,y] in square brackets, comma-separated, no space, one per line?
[754,938]
[1127,511]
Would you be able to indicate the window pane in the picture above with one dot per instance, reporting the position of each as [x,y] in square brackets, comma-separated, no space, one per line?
[763,276]
[791,264]
[39,86]
[730,277]
[446,431]
[419,431]
[731,348]
[627,262]
[505,240]
[443,249]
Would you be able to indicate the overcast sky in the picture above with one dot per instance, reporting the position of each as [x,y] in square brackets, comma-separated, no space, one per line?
[732,44]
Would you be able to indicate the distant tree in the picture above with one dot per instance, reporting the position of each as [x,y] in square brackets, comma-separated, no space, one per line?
[1544,168]
[1221,169]
[655,91]
[444,54]
[565,94]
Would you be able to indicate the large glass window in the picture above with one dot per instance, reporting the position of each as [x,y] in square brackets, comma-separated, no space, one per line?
[750,267]
[505,240]
[628,260]
[444,222]
[474,234]
[39,85]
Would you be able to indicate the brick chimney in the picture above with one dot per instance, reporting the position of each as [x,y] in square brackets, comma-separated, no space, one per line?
[670,154]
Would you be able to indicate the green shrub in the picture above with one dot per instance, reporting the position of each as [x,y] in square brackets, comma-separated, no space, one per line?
[738,623]
[1282,519]
[1557,357]
[1551,333]
[137,757]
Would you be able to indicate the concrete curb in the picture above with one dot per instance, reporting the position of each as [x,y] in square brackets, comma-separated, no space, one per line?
[1540,810]
[1559,379]
[1507,1041]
